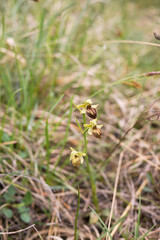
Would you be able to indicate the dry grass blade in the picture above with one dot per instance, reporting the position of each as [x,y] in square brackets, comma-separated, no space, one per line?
[54,237]
[8,143]
[12,55]
[115,191]
[138,192]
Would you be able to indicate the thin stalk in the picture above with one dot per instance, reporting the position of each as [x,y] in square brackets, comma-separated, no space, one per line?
[77,213]
[127,79]
[94,195]
[47,145]
[66,134]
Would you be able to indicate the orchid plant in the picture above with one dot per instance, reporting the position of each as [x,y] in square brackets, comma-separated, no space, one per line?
[91,128]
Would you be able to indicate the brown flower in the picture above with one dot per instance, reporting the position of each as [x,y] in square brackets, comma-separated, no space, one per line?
[88,107]
[91,112]
[94,128]
[97,132]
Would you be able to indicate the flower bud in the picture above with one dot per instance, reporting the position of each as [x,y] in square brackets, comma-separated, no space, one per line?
[97,132]
[91,112]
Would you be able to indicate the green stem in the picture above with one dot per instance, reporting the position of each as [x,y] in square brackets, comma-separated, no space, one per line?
[77,213]
[94,195]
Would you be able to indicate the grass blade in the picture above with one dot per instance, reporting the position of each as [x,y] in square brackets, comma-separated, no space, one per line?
[147,232]
[67,131]
[102,223]
[138,220]
[46,131]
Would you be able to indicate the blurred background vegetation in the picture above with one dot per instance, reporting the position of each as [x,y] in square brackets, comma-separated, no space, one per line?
[63,43]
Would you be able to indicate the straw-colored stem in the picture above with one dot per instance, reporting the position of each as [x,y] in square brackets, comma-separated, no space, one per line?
[115,191]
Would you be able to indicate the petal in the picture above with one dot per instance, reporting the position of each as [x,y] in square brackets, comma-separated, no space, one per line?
[83,111]
[81,154]
[89,101]
[100,126]
[90,131]
[94,106]
[93,122]
[81,159]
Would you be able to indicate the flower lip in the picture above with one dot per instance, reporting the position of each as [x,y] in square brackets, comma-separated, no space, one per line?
[91,112]
[97,132]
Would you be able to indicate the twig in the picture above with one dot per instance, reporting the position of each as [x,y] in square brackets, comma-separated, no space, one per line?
[18,231]
[38,232]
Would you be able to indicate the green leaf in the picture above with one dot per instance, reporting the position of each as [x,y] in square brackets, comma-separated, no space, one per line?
[23,154]
[11,190]
[25,217]
[23,209]
[7,212]
[28,198]
[5,137]
[9,195]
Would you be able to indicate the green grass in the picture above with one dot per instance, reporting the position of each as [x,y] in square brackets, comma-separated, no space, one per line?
[53,55]
[138,220]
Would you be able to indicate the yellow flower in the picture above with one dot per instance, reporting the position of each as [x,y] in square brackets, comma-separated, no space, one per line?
[94,129]
[76,157]
[83,108]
